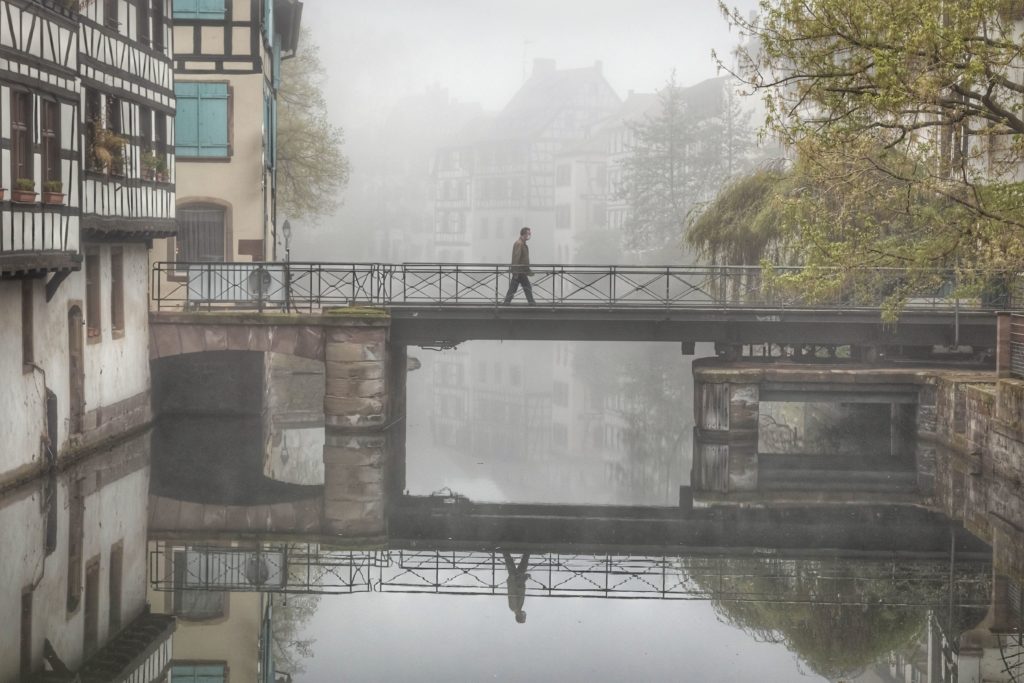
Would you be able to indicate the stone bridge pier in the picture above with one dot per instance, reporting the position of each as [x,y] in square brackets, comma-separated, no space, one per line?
[364,396]
[364,405]
[733,457]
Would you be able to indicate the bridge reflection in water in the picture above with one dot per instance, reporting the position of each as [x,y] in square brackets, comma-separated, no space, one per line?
[926,581]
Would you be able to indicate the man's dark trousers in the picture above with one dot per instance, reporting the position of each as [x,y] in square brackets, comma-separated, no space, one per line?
[519,279]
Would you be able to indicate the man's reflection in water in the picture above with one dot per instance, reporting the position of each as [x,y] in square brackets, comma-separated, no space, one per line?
[517,577]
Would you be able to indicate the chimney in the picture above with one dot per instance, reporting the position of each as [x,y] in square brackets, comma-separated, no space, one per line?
[542,67]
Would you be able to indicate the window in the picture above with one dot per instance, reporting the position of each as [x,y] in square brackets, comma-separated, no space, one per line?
[26,633]
[110,14]
[76,532]
[92,295]
[93,121]
[199,673]
[50,132]
[563,175]
[199,9]
[142,19]
[114,114]
[559,393]
[114,594]
[201,122]
[117,291]
[200,234]
[27,326]
[145,129]
[21,135]
[92,606]
[563,216]
[158,25]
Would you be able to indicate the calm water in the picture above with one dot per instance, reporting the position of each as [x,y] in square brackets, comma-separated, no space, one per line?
[541,523]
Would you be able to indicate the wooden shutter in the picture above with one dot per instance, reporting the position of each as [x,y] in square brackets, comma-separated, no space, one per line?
[201,120]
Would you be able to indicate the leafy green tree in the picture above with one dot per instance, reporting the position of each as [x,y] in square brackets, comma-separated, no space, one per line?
[742,225]
[680,155]
[906,118]
[311,168]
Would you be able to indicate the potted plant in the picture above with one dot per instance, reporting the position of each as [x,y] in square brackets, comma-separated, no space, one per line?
[24,191]
[107,152]
[53,192]
[154,167]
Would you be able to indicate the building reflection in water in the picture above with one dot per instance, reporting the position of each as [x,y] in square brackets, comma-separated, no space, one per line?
[74,561]
[872,589]
[890,584]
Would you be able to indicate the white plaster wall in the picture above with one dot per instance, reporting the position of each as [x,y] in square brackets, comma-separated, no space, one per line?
[22,395]
[115,512]
[117,369]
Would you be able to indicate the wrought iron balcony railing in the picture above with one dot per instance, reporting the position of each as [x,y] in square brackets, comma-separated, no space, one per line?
[313,286]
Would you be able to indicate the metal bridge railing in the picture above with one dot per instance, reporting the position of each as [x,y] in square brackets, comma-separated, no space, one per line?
[314,286]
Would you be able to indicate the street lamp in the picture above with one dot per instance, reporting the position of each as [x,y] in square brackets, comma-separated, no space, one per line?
[286,230]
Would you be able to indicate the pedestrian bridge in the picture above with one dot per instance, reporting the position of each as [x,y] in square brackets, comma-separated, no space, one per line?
[443,304]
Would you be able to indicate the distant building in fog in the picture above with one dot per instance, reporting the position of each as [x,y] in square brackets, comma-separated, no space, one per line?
[498,174]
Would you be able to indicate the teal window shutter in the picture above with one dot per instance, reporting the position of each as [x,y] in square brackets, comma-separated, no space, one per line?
[201,121]
[199,9]
[198,673]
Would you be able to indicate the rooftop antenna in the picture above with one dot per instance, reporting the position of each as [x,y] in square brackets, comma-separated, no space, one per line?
[526,44]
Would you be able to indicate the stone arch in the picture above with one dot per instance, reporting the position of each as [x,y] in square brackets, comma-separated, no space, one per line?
[175,339]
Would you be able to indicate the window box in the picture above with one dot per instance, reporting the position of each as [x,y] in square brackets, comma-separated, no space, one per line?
[24,191]
[53,192]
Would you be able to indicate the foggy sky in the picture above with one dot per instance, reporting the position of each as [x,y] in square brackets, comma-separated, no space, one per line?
[377,52]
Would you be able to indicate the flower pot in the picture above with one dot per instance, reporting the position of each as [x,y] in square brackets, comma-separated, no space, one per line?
[53,197]
[23,196]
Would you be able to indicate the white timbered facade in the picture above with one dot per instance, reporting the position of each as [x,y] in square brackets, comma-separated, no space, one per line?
[227,72]
[86,172]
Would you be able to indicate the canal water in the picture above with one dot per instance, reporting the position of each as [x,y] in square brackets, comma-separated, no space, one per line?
[542,522]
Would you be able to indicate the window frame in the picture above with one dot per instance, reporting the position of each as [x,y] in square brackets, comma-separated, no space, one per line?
[194,663]
[93,307]
[143,31]
[191,10]
[183,146]
[181,212]
[49,140]
[28,298]
[22,152]
[117,323]
[110,14]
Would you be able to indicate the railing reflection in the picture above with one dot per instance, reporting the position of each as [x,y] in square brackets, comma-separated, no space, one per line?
[314,569]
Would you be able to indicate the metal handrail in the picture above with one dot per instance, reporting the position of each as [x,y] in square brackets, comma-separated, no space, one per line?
[313,286]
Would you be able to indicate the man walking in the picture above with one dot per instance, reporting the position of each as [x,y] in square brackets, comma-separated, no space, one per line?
[520,270]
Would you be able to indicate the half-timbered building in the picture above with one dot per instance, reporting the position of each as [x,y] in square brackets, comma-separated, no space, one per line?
[228,65]
[86,172]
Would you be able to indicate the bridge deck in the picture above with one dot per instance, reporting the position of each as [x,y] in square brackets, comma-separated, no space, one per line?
[446,325]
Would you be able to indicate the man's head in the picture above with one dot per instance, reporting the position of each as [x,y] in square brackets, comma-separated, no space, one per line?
[525,233]
[520,617]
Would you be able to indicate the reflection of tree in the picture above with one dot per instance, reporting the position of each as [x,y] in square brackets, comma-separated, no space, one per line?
[838,617]
[648,384]
[290,617]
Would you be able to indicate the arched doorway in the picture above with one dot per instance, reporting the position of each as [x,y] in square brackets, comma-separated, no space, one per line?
[76,369]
